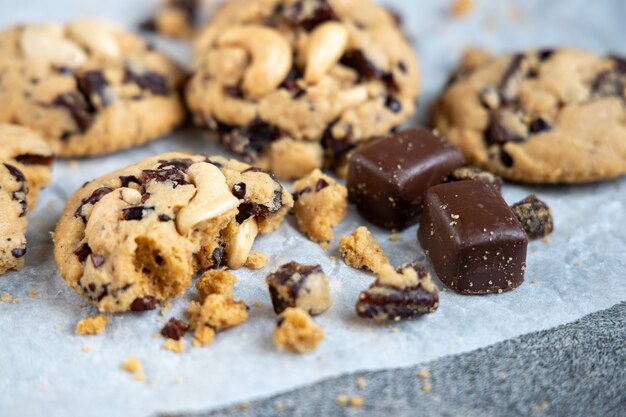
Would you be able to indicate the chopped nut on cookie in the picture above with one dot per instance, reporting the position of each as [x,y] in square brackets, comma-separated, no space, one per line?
[297,332]
[403,293]
[302,286]
[361,251]
[535,217]
[320,204]
[90,326]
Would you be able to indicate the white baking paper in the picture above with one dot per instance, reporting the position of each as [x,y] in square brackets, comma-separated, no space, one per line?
[44,369]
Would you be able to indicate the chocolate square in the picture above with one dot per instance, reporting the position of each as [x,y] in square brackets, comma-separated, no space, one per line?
[472,238]
[387,178]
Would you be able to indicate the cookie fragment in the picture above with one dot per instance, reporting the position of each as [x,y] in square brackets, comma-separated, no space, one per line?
[296,331]
[257,260]
[302,286]
[320,204]
[404,293]
[361,251]
[174,18]
[90,326]
[216,312]
[535,216]
[215,281]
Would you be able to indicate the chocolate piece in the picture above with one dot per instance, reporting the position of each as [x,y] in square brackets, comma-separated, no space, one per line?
[80,109]
[472,238]
[535,217]
[473,173]
[144,304]
[135,213]
[32,159]
[387,178]
[126,180]
[302,286]
[174,329]
[18,252]
[149,80]
[383,301]
[83,252]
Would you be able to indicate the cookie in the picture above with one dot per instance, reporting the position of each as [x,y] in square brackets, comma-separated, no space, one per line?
[25,161]
[88,87]
[137,236]
[301,78]
[174,19]
[28,152]
[320,204]
[545,116]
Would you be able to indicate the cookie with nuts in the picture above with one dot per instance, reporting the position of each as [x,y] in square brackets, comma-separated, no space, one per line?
[136,236]
[540,116]
[284,82]
[88,87]
[25,161]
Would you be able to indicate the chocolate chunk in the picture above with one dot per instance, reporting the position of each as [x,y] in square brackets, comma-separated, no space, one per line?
[217,256]
[388,302]
[497,131]
[80,109]
[251,140]
[387,178]
[297,194]
[535,217]
[321,184]
[233,91]
[393,104]
[609,84]
[32,159]
[297,285]
[97,260]
[620,63]
[290,82]
[172,175]
[545,54]
[247,210]
[181,164]
[18,252]
[239,190]
[93,83]
[505,158]
[16,173]
[308,14]
[334,148]
[149,80]
[472,238]
[164,218]
[512,75]
[539,125]
[144,303]
[356,59]
[473,173]
[126,180]
[92,199]
[83,252]
[135,213]
[174,329]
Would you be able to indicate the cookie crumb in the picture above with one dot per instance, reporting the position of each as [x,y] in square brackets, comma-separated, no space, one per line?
[87,349]
[57,328]
[578,264]
[394,329]
[427,388]
[203,336]
[279,407]
[166,309]
[243,406]
[361,251]
[361,383]
[534,281]
[90,326]
[258,304]
[216,281]
[394,236]
[546,239]
[177,346]
[356,401]
[32,293]
[45,385]
[424,374]
[461,7]
[133,365]
[297,332]
[180,380]
[341,399]
[302,286]
[6,297]
[541,407]
[257,260]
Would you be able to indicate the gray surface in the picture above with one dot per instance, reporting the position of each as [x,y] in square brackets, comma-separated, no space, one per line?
[577,369]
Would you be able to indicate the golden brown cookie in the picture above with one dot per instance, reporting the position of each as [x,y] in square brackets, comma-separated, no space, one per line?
[288,77]
[137,236]
[88,87]
[546,116]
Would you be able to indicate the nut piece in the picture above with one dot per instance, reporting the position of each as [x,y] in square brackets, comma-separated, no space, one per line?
[360,250]
[46,42]
[535,217]
[96,35]
[302,286]
[239,239]
[297,332]
[90,326]
[399,294]
[213,197]
[257,260]
[270,54]
[326,45]
[216,281]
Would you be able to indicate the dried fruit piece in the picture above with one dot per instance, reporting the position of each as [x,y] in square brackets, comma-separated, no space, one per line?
[535,217]
[297,285]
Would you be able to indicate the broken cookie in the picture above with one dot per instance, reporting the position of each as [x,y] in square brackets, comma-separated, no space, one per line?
[361,251]
[174,18]
[297,332]
[535,217]
[319,205]
[302,286]
[215,281]
[217,312]
[473,173]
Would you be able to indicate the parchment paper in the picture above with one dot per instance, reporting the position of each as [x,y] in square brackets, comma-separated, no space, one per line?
[44,370]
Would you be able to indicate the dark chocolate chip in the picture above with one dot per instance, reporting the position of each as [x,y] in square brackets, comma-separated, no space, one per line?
[505,158]
[80,109]
[301,192]
[609,84]
[83,252]
[164,218]
[545,54]
[247,210]
[336,148]
[93,83]
[393,104]
[16,173]
[290,83]
[181,164]
[539,125]
[135,213]
[321,184]
[126,180]
[250,140]
[97,260]
[144,303]
[149,80]
[356,59]
[18,252]
[620,63]
[32,159]
[174,329]
[322,12]
[510,73]
[239,190]
[402,67]
[497,133]
[92,199]
[148,25]
[173,175]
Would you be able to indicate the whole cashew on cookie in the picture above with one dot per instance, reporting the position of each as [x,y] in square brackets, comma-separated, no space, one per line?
[270,55]
[325,47]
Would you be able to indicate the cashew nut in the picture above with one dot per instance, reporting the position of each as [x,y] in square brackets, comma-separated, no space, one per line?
[239,239]
[350,98]
[108,209]
[325,47]
[270,54]
[97,35]
[46,42]
[213,197]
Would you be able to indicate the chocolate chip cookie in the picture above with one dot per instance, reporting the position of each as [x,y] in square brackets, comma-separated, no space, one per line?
[88,87]
[299,77]
[543,116]
[137,236]
[25,161]
[174,19]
